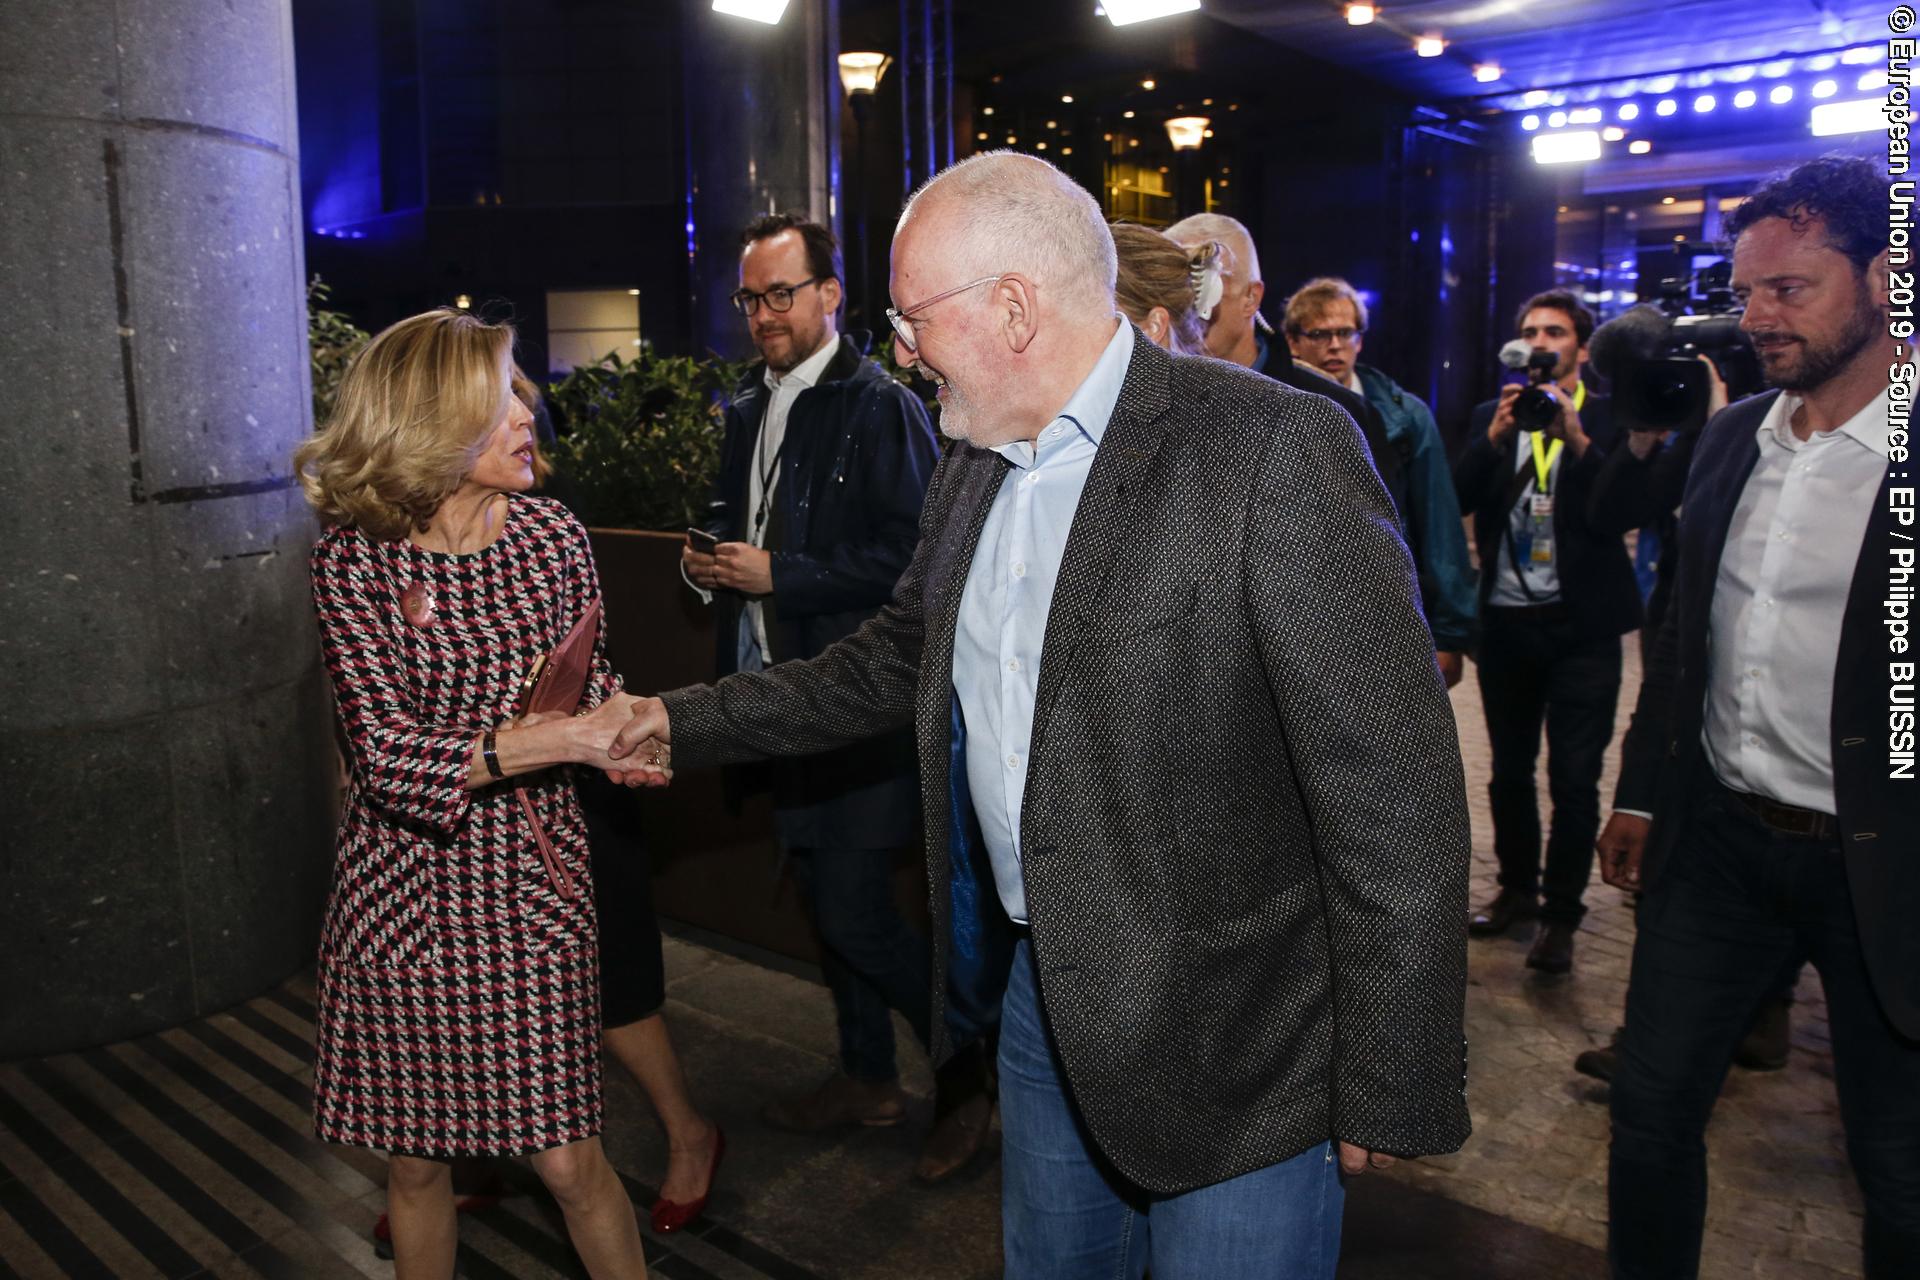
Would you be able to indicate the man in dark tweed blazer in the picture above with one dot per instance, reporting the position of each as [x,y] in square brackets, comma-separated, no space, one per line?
[1177,710]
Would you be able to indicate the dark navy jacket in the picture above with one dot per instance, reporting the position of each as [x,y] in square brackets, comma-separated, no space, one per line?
[854,468]
[1664,770]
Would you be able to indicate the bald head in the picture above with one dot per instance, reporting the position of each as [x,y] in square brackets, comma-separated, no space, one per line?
[1001,212]
[1231,232]
[1230,332]
[1002,274]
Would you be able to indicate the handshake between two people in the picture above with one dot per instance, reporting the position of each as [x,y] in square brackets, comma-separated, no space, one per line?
[625,737]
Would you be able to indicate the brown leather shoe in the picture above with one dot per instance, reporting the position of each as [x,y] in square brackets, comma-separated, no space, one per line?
[1552,950]
[1499,915]
[955,1140]
[1601,1063]
[839,1102]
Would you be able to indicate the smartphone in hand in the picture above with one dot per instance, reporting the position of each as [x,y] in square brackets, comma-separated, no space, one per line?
[702,541]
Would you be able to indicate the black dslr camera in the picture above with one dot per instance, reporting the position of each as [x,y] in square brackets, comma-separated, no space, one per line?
[1534,409]
[1649,354]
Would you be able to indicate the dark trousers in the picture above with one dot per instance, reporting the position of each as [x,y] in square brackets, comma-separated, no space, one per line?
[1737,903]
[872,959]
[1537,667]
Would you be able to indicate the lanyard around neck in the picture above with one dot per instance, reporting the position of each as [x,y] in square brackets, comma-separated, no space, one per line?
[1543,459]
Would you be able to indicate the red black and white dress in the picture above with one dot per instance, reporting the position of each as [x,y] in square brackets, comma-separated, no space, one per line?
[459,1003]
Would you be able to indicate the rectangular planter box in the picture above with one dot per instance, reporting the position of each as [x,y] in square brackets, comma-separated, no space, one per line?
[709,836]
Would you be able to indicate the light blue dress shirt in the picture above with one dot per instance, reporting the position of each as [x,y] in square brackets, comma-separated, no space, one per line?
[1009,591]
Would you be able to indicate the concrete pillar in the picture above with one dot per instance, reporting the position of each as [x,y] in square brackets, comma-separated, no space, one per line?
[763,112]
[165,814]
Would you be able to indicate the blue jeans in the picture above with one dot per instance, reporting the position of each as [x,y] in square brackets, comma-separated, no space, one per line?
[872,959]
[1068,1215]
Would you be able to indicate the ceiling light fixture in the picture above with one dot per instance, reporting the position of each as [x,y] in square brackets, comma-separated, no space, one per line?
[1360,14]
[861,72]
[1123,13]
[1831,119]
[1185,132]
[1566,148]
[1429,46]
[1487,72]
[767,11]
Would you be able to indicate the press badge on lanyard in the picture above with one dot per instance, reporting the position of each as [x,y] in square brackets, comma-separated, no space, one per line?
[1536,541]
[1537,545]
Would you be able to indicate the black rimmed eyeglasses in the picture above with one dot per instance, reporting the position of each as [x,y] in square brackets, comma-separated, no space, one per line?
[779,299]
[1323,336]
[904,328]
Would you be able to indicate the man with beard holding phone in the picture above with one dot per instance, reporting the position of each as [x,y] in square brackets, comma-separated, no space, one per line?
[815,514]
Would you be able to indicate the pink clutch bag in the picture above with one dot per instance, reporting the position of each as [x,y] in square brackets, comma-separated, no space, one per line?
[556,683]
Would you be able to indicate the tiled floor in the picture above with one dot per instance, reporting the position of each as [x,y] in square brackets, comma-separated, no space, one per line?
[189,1153]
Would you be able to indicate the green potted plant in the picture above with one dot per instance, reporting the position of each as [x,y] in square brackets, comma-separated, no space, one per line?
[332,340]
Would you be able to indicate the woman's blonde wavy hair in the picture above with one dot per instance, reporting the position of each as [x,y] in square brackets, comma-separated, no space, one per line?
[412,414]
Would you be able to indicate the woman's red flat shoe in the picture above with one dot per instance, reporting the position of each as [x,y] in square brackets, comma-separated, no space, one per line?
[670,1215]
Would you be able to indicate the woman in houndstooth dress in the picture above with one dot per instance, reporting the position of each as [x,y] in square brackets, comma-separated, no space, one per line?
[458,979]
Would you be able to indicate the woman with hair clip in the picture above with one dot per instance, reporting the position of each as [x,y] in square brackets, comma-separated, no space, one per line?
[458,1003]
[1167,289]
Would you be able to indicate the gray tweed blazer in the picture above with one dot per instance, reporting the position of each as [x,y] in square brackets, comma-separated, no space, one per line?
[1244,834]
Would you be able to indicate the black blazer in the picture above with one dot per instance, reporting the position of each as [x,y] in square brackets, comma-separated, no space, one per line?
[1664,769]
[854,468]
[1280,365]
[1245,831]
[1596,577]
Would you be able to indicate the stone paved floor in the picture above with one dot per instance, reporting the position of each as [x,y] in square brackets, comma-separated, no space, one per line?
[189,1153]
[1782,1201]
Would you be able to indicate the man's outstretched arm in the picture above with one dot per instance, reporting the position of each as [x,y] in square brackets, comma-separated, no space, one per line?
[857,688]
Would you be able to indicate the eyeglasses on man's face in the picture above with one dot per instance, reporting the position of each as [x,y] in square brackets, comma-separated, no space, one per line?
[1321,337]
[904,326]
[778,299]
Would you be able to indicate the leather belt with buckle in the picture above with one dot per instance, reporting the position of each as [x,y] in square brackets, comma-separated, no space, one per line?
[1788,820]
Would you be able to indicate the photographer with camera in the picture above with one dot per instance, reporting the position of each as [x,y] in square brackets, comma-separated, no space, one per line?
[1556,595]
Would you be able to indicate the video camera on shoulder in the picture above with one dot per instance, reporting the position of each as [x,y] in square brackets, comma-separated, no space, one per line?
[1649,355]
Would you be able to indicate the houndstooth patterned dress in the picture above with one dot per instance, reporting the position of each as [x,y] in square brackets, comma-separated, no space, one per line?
[458,991]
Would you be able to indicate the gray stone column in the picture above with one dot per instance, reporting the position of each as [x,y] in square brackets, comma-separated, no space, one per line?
[763,122]
[166,809]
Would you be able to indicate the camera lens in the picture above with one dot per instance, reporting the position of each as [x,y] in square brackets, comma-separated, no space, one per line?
[1535,410]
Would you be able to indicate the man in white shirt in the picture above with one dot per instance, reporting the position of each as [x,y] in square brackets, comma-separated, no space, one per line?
[1760,804]
[1180,727]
